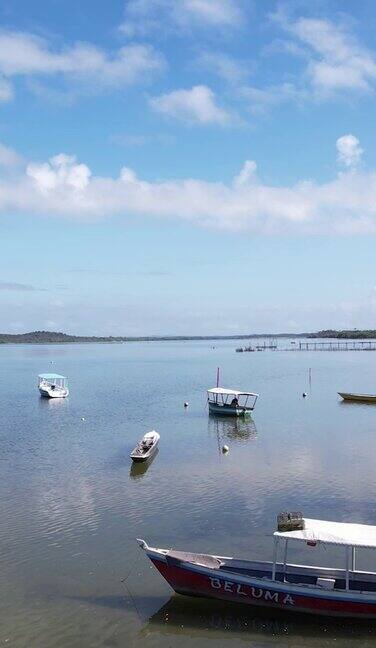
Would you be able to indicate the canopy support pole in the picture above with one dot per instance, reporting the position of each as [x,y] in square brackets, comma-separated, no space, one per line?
[285,560]
[347,568]
[275,548]
[353,559]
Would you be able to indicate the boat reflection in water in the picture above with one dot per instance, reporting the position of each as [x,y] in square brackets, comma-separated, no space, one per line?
[138,470]
[234,429]
[209,619]
[53,403]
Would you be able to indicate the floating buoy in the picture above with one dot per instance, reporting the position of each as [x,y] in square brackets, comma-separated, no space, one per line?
[225,449]
[185,404]
[304,394]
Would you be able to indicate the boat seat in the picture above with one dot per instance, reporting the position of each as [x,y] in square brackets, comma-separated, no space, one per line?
[196,559]
[326,583]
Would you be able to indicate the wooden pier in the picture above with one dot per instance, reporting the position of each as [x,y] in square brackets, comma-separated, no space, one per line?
[335,345]
[327,345]
[268,343]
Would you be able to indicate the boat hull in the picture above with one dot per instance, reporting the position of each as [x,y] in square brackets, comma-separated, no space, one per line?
[358,398]
[197,580]
[227,410]
[53,393]
[145,457]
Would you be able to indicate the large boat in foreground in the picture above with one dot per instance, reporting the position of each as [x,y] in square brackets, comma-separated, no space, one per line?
[53,385]
[230,402]
[345,592]
[358,398]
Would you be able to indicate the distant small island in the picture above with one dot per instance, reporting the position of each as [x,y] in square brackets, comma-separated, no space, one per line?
[355,334]
[53,337]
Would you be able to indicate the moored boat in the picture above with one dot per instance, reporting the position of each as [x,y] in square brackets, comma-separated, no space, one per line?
[345,592]
[52,385]
[230,402]
[146,447]
[358,398]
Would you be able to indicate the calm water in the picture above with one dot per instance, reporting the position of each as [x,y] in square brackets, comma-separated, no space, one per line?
[71,505]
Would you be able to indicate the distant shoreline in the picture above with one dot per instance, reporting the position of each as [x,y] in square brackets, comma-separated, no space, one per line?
[29,338]
[52,337]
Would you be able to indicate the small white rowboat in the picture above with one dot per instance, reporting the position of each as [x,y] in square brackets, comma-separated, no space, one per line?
[146,447]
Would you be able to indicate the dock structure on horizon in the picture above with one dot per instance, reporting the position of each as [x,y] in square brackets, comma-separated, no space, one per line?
[268,343]
[334,345]
[326,345]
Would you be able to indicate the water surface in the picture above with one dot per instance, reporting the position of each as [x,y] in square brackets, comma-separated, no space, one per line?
[71,504]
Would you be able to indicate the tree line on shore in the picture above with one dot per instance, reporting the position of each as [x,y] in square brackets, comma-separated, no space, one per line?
[53,337]
[355,334]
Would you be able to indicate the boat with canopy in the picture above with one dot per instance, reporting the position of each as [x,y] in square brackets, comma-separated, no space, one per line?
[231,402]
[332,591]
[53,385]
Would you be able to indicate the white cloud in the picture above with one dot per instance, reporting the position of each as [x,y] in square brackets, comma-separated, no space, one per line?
[6,91]
[64,187]
[198,104]
[349,150]
[28,55]
[230,69]
[215,12]
[143,16]
[247,174]
[336,60]
[261,100]
[8,157]
[61,172]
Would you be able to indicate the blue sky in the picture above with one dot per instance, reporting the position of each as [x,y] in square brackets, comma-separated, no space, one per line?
[187,166]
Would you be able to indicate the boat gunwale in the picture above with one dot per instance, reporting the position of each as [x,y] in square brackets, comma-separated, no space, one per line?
[285,587]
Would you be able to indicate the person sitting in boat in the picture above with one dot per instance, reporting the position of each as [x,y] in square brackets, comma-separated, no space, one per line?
[234,402]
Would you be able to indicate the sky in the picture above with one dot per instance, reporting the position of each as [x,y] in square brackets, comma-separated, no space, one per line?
[172,167]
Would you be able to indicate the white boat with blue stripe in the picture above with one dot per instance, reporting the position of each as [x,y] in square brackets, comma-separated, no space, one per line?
[53,385]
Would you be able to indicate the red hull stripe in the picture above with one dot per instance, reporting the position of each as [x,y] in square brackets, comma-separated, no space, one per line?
[186,581]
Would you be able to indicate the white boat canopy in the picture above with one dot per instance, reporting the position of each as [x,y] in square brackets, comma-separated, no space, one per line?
[51,376]
[230,392]
[335,533]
